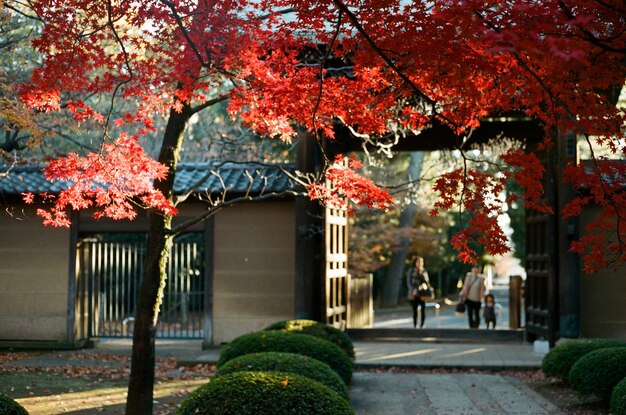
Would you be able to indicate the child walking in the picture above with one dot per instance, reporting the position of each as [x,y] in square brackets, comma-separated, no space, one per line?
[489,312]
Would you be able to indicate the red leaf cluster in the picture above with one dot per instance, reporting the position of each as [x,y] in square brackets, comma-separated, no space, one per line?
[480,194]
[345,186]
[113,182]
[528,174]
[603,186]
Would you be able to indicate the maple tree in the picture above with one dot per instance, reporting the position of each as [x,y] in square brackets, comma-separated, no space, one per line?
[372,65]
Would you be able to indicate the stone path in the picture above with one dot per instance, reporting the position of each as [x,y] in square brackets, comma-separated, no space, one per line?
[444,394]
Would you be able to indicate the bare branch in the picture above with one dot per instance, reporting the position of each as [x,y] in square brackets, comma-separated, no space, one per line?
[185,33]
[111,24]
[209,103]
[587,35]
[230,202]
[321,81]
[223,200]
[17,10]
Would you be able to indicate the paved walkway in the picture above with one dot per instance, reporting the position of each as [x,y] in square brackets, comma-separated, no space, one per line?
[413,354]
[443,394]
[380,392]
[446,355]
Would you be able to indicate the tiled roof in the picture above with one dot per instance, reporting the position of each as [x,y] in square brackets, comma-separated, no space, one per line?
[236,178]
[204,177]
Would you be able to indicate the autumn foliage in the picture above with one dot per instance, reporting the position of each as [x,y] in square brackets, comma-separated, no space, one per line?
[604,186]
[375,66]
[113,182]
[346,185]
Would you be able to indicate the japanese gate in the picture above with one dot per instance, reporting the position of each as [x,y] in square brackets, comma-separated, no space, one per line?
[546,235]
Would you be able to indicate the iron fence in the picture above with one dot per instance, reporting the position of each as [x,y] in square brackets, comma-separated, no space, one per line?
[111,266]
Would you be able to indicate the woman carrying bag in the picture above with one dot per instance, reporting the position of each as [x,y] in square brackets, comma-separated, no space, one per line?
[419,289]
[472,294]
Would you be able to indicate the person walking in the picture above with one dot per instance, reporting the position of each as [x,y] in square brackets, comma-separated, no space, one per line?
[472,293]
[416,281]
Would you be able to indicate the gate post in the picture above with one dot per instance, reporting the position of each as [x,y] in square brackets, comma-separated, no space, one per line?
[515,301]
[541,297]
[568,278]
[309,242]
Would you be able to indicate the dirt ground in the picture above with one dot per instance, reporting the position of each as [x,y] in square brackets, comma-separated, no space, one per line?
[561,395]
[97,383]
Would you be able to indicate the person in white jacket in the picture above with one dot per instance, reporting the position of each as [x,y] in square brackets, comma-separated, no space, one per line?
[472,293]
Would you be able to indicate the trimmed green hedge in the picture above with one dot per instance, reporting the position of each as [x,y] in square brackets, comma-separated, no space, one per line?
[289,363]
[9,407]
[560,359]
[618,399]
[317,329]
[279,341]
[599,371]
[264,393]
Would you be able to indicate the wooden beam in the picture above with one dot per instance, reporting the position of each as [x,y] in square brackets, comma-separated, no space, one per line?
[441,137]
[309,243]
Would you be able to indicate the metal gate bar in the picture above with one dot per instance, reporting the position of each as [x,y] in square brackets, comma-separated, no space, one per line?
[111,265]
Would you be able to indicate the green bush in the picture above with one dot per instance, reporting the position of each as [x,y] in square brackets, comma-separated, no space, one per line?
[618,398]
[264,393]
[599,371]
[560,359]
[289,363]
[9,407]
[279,341]
[316,329]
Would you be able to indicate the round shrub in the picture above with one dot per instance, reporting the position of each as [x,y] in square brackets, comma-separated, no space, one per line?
[264,393]
[279,341]
[599,371]
[316,329]
[289,363]
[9,407]
[558,361]
[618,398]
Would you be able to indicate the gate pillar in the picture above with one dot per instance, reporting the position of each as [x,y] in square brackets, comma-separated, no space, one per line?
[309,237]
[567,231]
[552,287]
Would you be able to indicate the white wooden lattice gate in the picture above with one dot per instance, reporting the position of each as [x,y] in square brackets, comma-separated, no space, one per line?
[336,282]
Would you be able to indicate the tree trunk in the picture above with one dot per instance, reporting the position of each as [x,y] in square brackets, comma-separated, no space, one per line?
[141,384]
[394,276]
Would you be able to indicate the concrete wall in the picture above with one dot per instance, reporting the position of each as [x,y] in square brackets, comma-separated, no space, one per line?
[602,299]
[33,277]
[253,271]
[254,265]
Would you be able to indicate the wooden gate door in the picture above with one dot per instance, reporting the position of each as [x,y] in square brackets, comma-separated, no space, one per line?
[540,292]
[336,269]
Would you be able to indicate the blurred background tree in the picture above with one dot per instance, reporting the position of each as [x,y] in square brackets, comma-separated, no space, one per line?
[384,243]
